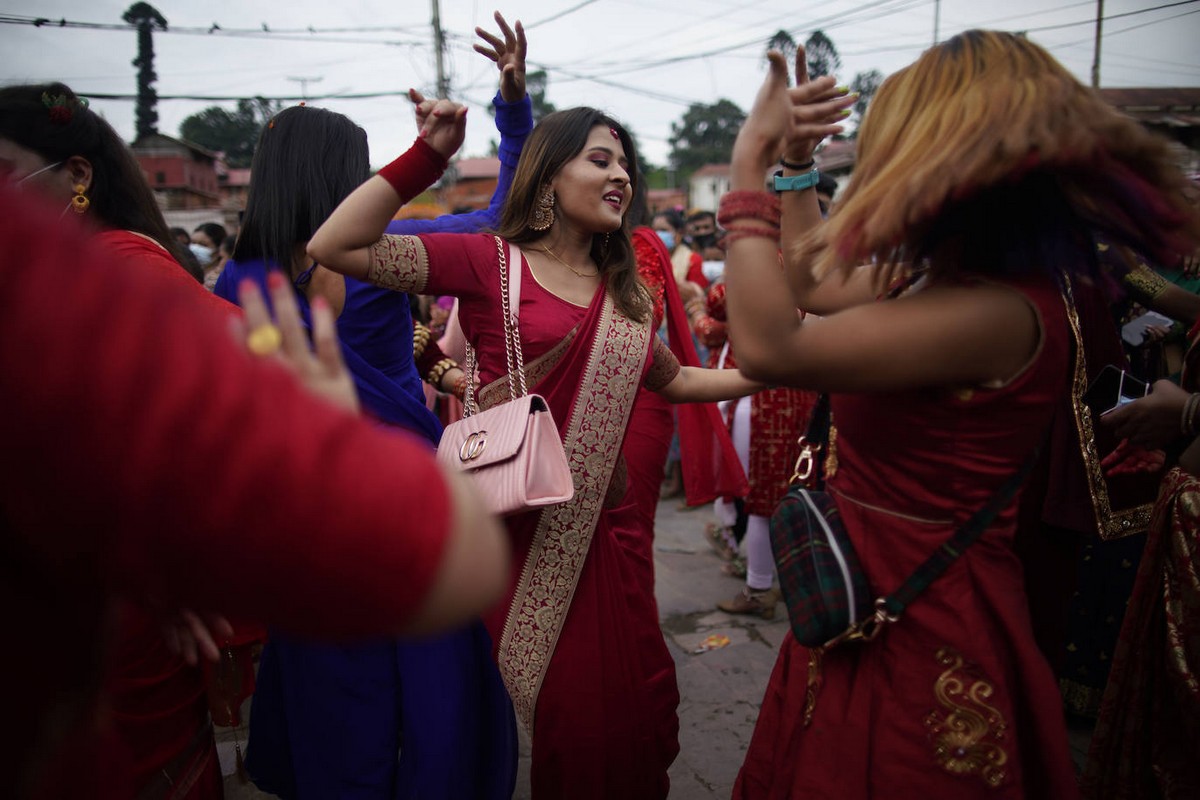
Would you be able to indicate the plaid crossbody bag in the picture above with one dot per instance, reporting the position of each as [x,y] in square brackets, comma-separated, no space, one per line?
[826,592]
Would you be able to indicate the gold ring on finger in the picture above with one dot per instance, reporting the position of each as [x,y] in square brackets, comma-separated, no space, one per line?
[265,340]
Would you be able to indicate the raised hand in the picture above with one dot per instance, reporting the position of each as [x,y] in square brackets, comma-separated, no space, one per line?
[509,56]
[444,126]
[818,109]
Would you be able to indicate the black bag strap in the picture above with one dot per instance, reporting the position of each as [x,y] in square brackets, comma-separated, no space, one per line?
[889,608]
[964,537]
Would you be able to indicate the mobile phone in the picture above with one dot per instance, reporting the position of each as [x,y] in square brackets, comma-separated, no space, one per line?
[1113,388]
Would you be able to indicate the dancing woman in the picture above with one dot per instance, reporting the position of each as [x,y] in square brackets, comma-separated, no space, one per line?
[988,166]
[577,641]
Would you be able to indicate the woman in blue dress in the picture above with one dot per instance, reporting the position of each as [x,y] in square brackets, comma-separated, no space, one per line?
[389,719]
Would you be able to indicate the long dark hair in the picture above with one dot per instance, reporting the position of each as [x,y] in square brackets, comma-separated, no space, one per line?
[120,196]
[555,140]
[307,160]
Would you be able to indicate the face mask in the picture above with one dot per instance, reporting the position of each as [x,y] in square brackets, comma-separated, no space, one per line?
[204,254]
[31,175]
[668,239]
[712,270]
[705,240]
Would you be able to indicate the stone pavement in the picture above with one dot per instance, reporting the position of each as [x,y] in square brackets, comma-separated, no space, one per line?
[720,689]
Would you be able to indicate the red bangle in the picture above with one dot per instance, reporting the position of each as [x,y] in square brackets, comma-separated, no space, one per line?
[747,203]
[748,233]
[415,171]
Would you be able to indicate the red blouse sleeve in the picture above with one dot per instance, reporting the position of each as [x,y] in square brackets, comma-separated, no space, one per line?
[140,438]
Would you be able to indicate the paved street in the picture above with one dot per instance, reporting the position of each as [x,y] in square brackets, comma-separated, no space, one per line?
[720,689]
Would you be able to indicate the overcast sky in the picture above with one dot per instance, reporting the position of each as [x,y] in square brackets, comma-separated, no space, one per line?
[643,61]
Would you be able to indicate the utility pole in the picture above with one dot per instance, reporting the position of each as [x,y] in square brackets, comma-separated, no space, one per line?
[439,47]
[304,82]
[1096,52]
[937,19]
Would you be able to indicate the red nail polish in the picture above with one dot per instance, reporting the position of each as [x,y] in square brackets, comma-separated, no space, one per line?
[247,285]
[320,303]
[275,279]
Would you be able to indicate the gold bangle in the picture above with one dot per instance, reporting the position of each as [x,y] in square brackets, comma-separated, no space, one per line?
[438,371]
[421,336]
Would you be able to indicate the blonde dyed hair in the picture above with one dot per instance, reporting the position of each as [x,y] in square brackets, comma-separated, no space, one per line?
[986,109]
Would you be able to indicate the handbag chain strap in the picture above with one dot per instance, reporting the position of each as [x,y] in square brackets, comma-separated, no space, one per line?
[512,345]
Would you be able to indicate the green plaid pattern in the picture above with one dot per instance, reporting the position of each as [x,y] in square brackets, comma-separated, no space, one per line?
[822,581]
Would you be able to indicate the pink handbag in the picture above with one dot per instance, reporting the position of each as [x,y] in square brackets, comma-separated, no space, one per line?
[512,451]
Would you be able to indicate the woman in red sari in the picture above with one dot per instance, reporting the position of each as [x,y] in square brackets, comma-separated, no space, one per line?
[577,640]
[989,167]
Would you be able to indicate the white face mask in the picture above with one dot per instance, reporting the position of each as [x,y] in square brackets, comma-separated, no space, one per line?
[204,254]
[712,270]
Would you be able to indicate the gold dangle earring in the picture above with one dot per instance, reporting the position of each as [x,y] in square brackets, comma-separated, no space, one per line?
[80,202]
[543,211]
[604,246]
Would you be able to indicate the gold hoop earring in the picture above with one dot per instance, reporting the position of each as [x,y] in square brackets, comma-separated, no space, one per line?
[543,211]
[80,202]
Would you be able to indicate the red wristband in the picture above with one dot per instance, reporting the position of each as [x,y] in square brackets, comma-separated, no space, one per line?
[415,171]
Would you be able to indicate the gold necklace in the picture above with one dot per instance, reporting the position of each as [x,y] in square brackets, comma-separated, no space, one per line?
[546,249]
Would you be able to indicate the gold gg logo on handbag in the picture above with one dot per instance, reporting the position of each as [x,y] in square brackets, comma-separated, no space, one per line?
[472,446]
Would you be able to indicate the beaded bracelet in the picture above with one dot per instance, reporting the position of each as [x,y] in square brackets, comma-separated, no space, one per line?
[751,204]
[438,370]
[783,162]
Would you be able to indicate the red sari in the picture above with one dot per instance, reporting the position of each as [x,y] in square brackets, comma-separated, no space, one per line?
[577,639]
[954,700]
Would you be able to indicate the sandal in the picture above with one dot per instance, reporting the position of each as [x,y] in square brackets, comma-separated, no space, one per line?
[718,539]
[748,601]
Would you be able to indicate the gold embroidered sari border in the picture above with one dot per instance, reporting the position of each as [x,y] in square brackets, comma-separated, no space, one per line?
[1110,524]
[564,533]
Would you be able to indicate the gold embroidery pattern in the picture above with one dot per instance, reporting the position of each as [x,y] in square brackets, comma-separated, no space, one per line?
[564,533]
[1145,283]
[1111,524]
[399,263]
[831,457]
[664,368]
[496,392]
[965,735]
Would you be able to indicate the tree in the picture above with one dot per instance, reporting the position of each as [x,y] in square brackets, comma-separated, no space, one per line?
[866,84]
[705,135]
[146,19]
[823,58]
[233,133]
[536,83]
[784,43]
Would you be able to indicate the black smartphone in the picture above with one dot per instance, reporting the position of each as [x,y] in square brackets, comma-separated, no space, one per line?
[1113,388]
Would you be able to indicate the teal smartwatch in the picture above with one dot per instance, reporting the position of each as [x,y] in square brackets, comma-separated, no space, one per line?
[796,183]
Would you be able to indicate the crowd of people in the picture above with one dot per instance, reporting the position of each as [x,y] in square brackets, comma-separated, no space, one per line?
[271,501]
